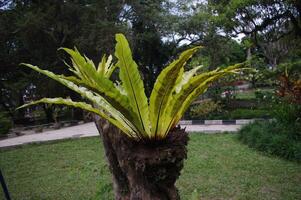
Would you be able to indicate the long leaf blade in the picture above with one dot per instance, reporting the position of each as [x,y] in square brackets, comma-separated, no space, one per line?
[100,82]
[192,89]
[93,97]
[163,88]
[186,77]
[132,82]
[81,105]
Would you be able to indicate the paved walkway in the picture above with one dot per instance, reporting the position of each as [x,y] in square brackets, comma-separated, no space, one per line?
[89,129]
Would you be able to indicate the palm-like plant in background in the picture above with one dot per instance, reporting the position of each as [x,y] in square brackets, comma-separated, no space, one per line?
[141,121]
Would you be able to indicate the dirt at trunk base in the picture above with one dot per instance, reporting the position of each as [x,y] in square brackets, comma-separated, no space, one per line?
[145,170]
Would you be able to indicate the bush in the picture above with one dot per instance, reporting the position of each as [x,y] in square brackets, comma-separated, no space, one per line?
[202,110]
[249,114]
[287,113]
[240,113]
[5,123]
[274,138]
[266,96]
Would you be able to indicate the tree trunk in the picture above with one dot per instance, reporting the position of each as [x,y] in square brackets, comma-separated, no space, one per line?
[249,53]
[144,170]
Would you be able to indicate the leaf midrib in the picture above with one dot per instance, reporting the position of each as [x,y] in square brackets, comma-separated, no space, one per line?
[126,68]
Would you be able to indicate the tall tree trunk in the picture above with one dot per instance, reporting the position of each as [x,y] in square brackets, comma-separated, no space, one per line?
[143,170]
[249,53]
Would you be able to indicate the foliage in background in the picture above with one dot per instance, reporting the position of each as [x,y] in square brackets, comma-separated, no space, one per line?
[32,31]
[281,137]
[247,113]
[261,76]
[289,86]
[203,109]
[239,113]
[5,123]
[274,138]
[277,18]
[287,113]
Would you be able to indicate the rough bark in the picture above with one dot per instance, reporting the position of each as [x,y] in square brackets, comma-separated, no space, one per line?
[144,170]
[120,182]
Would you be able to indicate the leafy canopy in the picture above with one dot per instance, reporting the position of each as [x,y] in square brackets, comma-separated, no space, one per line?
[124,103]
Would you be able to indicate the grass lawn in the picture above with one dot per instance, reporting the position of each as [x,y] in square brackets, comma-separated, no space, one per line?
[218,167]
[250,94]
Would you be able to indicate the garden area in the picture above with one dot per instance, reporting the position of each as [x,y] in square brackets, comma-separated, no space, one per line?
[149,78]
[218,167]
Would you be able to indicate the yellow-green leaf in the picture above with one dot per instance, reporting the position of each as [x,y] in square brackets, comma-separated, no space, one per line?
[125,116]
[81,105]
[132,82]
[163,88]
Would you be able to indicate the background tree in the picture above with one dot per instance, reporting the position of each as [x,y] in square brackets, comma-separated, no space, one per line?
[32,31]
[269,25]
[199,25]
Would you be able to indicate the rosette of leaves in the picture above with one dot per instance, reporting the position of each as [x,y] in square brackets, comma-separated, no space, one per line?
[124,103]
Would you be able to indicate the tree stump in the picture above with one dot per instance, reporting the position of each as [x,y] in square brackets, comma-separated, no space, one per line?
[144,170]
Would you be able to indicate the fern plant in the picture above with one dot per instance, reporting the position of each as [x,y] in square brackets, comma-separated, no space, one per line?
[124,103]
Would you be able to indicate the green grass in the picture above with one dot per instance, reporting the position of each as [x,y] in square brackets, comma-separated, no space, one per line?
[251,94]
[218,167]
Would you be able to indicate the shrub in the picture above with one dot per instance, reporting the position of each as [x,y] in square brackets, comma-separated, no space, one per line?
[240,113]
[5,123]
[201,110]
[249,113]
[266,96]
[289,82]
[287,113]
[274,138]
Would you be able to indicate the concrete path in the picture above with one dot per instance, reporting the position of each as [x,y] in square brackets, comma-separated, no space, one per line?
[89,129]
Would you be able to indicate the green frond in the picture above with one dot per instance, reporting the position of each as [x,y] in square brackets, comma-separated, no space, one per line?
[132,83]
[186,77]
[101,66]
[81,105]
[93,97]
[164,86]
[106,67]
[99,81]
[82,67]
[124,103]
[196,86]
[109,67]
